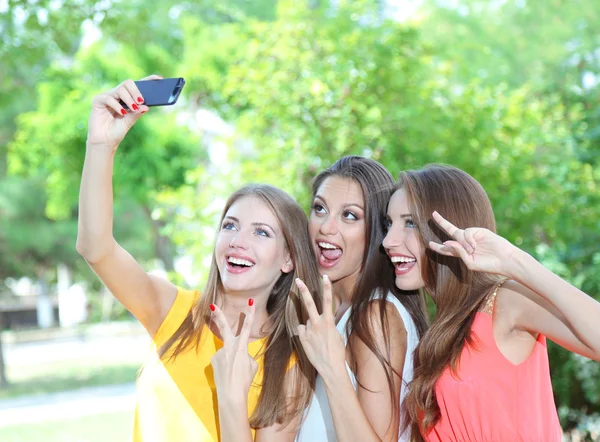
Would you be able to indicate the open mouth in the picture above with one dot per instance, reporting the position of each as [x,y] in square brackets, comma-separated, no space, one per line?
[329,254]
[239,265]
[403,264]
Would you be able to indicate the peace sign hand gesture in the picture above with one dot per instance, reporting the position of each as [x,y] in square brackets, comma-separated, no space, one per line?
[320,339]
[233,367]
[480,249]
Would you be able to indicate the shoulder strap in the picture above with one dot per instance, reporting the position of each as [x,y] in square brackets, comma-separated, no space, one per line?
[490,302]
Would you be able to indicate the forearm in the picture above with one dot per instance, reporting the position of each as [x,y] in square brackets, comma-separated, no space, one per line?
[351,423]
[233,421]
[95,223]
[581,311]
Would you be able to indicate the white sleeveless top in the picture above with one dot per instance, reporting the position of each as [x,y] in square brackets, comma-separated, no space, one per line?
[318,422]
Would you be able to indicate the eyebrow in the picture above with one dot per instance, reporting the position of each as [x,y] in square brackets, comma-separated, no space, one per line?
[407,215]
[233,218]
[345,205]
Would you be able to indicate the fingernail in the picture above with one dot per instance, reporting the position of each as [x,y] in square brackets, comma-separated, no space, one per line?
[325,278]
[212,307]
[250,302]
[140,100]
[123,112]
[135,106]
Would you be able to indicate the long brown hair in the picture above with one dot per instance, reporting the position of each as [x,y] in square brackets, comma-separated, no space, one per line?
[457,292]
[285,310]
[377,273]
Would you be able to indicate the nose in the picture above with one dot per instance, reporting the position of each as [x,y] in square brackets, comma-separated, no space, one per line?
[239,241]
[329,226]
[393,238]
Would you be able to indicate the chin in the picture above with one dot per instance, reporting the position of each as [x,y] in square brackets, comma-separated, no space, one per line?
[408,286]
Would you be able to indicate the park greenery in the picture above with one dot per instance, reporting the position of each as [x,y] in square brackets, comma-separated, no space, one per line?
[276,91]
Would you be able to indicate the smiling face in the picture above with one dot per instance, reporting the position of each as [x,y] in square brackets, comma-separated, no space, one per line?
[250,251]
[337,228]
[402,244]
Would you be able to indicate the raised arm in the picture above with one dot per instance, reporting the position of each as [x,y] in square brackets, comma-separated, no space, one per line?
[545,303]
[147,297]
[539,301]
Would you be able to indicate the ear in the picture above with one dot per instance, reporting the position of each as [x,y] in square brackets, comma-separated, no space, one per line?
[288,266]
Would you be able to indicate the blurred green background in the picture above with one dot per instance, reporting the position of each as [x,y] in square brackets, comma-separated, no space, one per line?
[507,90]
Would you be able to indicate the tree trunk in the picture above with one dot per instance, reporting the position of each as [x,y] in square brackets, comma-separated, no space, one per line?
[163,246]
[3,379]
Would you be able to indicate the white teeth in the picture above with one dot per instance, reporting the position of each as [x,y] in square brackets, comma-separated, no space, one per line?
[402,259]
[239,261]
[326,245]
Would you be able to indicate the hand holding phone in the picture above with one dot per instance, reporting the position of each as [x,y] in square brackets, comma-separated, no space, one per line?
[161,92]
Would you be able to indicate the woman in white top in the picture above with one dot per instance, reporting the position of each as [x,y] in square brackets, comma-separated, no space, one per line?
[363,341]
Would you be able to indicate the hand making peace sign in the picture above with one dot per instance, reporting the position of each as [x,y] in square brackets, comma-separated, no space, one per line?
[234,369]
[322,343]
[480,249]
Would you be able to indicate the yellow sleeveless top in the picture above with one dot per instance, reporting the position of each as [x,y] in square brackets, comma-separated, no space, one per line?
[177,399]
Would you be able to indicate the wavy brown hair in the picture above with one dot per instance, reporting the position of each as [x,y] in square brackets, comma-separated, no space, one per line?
[457,292]
[377,273]
[285,392]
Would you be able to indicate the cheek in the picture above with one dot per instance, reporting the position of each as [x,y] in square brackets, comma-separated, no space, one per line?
[313,227]
[357,240]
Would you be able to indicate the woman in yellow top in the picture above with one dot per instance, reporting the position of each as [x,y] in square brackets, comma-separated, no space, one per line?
[208,382]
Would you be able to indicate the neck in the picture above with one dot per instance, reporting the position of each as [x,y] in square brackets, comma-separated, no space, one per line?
[235,305]
[343,289]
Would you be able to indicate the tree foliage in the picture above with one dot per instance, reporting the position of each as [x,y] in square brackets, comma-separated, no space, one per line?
[499,89]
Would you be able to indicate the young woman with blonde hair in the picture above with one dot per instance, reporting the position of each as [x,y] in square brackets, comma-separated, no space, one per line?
[208,382]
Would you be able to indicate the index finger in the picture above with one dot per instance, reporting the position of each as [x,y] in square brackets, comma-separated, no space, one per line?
[135,92]
[152,77]
[244,335]
[313,314]
[446,225]
[221,322]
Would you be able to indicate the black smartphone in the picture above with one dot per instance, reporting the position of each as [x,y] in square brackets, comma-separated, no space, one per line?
[164,92]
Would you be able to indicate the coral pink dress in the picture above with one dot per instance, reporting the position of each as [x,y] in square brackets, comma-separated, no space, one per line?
[493,399]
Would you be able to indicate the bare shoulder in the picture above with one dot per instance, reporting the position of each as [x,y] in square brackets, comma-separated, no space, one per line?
[162,286]
[393,331]
[165,292]
[514,302]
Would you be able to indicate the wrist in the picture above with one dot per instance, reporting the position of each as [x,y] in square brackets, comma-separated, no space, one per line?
[518,264]
[335,375]
[109,148]
[232,399]
[335,383]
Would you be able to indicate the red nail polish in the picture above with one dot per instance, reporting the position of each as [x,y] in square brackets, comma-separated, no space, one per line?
[135,106]
[212,307]
[250,302]
[123,112]
[140,100]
